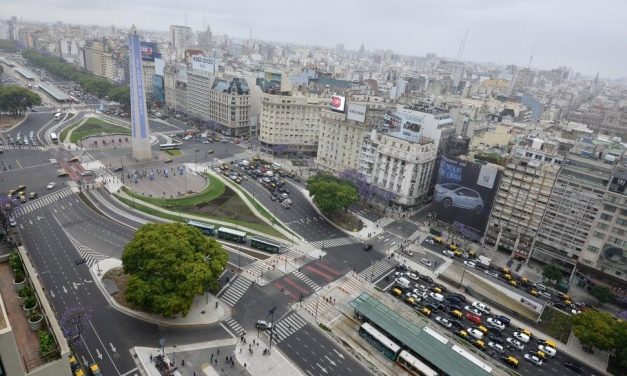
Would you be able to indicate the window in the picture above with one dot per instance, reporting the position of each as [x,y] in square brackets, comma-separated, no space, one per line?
[602,226]
[599,235]
[609,208]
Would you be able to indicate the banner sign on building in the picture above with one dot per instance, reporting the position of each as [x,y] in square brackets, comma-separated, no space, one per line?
[357,112]
[149,51]
[464,194]
[159,66]
[205,64]
[338,102]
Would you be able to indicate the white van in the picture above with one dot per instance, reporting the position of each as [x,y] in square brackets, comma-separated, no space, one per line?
[403,282]
[57,116]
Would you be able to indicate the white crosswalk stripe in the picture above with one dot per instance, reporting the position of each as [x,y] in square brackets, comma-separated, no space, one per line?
[87,253]
[378,269]
[256,269]
[236,157]
[353,287]
[41,202]
[236,290]
[22,147]
[337,242]
[415,235]
[287,326]
[385,221]
[307,280]
[318,306]
[234,326]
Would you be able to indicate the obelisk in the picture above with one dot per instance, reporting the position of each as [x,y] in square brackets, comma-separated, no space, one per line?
[140,139]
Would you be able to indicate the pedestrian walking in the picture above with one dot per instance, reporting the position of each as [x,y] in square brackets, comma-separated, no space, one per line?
[151,358]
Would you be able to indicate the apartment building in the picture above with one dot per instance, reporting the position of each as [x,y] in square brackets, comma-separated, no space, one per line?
[290,122]
[223,101]
[175,88]
[99,61]
[181,37]
[606,247]
[574,204]
[522,197]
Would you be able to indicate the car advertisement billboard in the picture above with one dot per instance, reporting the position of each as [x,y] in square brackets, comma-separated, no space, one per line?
[464,194]
[205,64]
[338,103]
[356,112]
[149,51]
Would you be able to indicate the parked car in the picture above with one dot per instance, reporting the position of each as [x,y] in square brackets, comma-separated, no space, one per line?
[473,318]
[482,307]
[472,310]
[426,262]
[522,337]
[455,195]
[516,343]
[533,359]
[547,350]
[475,333]
[495,323]
[503,319]
[443,321]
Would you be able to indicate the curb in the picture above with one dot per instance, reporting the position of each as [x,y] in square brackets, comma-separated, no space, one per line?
[16,125]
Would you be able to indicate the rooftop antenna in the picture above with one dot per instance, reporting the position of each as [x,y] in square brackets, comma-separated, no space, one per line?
[462,46]
[533,47]
[185,18]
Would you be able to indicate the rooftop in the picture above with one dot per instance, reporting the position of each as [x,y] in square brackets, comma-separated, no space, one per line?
[54,92]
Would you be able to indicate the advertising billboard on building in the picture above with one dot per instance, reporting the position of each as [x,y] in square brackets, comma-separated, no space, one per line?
[159,66]
[149,51]
[158,91]
[357,112]
[464,194]
[204,64]
[338,103]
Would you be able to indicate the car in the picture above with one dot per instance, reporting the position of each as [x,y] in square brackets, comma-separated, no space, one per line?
[12,221]
[461,333]
[426,262]
[470,264]
[472,310]
[210,151]
[456,313]
[533,359]
[496,347]
[491,273]
[516,343]
[522,337]
[539,354]
[408,251]
[74,159]
[432,307]
[482,307]
[426,278]
[460,297]
[510,360]
[479,344]
[80,261]
[51,185]
[286,204]
[494,337]
[547,350]
[503,319]
[495,323]
[367,246]
[272,198]
[572,366]
[454,195]
[436,296]
[456,324]
[425,311]
[94,370]
[473,318]
[263,325]
[429,241]
[444,322]
[448,253]
[413,276]
[475,333]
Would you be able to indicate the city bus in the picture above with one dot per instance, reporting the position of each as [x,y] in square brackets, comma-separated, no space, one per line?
[54,138]
[382,343]
[172,146]
[232,235]
[413,365]
[266,245]
[203,227]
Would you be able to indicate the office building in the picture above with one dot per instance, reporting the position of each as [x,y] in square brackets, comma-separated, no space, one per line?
[101,62]
[181,37]
[522,197]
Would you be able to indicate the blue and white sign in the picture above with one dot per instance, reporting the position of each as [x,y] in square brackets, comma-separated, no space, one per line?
[138,100]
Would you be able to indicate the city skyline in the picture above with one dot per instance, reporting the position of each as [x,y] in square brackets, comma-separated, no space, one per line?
[552,31]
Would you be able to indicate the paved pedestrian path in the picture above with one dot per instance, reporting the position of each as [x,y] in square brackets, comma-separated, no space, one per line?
[298,274]
[378,269]
[287,326]
[42,202]
[236,290]
[337,242]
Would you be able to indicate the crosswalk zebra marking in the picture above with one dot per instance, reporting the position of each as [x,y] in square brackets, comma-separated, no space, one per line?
[378,269]
[337,242]
[236,290]
[234,326]
[307,280]
[41,202]
[287,326]
[85,252]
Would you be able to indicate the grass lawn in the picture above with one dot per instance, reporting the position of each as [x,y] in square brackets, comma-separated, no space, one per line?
[173,153]
[213,191]
[67,129]
[95,127]
[556,324]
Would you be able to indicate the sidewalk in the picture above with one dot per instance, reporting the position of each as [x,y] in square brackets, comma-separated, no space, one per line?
[205,310]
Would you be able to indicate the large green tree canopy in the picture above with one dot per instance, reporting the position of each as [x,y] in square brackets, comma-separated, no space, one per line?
[16,99]
[596,329]
[331,194]
[168,265]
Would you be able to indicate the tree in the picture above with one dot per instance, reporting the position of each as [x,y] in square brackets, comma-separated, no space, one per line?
[1,70]
[620,341]
[602,293]
[17,99]
[552,273]
[122,95]
[8,45]
[595,329]
[331,194]
[74,322]
[168,265]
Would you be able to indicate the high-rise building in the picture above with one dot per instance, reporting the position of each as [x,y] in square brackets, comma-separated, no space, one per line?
[181,37]
[140,133]
[205,39]
[103,63]
[522,198]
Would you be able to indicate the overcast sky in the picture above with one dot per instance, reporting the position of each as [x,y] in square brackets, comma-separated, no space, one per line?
[587,35]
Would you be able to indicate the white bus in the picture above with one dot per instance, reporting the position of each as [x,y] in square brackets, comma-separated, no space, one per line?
[57,116]
[413,365]
[377,339]
[172,146]
[54,138]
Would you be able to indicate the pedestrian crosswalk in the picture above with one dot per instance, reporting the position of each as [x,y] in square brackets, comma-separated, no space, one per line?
[318,306]
[416,235]
[236,157]
[378,269]
[337,242]
[236,290]
[287,326]
[86,253]
[385,221]
[41,202]
[234,326]
[353,287]
[22,147]
[307,280]
[256,269]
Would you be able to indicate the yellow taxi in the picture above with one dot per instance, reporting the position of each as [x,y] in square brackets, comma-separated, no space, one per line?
[513,283]
[425,311]
[511,360]
[457,314]
[397,292]
[94,370]
[482,329]
[462,334]
[438,240]
[479,344]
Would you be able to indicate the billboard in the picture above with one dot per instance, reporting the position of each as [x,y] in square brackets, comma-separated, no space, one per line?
[205,64]
[158,91]
[149,51]
[159,66]
[338,102]
[357,112]
[464,193]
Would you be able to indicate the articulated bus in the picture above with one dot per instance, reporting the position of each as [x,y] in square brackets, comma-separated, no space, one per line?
[413,365]
[203,227]
[232,235]
[173,146]
[382,343]
[266,245]
[54,138]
